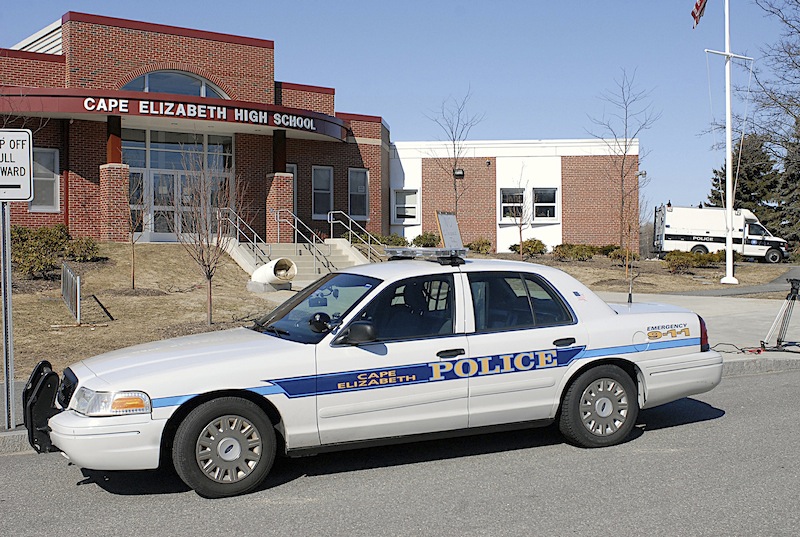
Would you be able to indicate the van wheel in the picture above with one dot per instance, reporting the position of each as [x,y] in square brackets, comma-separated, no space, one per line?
[773,256]
[224,447]
[599,408]
[699,249]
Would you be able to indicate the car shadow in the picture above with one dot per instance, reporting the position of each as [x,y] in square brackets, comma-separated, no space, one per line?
[285,470]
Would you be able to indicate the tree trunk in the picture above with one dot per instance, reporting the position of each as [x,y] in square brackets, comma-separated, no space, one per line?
[208,301]
[133,266]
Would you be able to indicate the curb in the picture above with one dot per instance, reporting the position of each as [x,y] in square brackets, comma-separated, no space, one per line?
[16,441]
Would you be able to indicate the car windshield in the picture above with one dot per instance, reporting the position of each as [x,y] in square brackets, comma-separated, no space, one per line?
[311,314]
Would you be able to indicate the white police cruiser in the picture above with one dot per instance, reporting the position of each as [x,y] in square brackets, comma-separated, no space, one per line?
[385,352]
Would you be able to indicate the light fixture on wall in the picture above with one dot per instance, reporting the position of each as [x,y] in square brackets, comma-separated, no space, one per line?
[458,173]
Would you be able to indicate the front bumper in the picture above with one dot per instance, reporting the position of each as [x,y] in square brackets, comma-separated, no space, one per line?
[108,443]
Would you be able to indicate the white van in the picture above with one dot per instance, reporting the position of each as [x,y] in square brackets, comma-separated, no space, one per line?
[703,230]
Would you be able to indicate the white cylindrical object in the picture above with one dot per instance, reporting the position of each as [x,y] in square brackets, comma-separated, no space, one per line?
[280,270]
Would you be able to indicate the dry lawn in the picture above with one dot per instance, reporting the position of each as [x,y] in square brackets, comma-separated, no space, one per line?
[170,299]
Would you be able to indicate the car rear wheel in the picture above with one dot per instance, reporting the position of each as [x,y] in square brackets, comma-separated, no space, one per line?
[773,256]
[224,447]
[599,408]
[699,250]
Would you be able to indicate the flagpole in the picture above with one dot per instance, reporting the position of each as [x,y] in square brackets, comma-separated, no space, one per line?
[729,277]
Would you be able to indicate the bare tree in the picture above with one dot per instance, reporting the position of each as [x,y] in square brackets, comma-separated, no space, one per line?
[14,119]
[204,191]
[521,211]
[630,113]
[456,123]
[137,204]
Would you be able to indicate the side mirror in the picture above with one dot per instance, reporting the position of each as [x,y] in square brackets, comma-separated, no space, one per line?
[359,332]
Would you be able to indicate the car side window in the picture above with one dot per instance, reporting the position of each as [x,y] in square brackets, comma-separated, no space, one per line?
[413,308]
[509,301]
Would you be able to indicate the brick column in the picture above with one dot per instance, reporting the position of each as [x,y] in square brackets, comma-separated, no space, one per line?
[114,207]
[280,195]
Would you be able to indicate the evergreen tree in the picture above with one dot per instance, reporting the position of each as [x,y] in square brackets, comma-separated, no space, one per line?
[757,184]
[789,200]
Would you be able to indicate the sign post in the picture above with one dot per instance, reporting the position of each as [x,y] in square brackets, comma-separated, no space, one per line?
[16,184]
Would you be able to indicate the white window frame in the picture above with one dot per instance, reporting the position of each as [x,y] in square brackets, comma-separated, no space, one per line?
[395,206]
[55,179]
[314,214]
[556,214]
[511,219]
[350,194]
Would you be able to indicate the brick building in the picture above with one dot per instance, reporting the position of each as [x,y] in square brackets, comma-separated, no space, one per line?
[119,107]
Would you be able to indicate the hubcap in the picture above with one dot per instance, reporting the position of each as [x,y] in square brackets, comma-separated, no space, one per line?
[604,407]
[228,449]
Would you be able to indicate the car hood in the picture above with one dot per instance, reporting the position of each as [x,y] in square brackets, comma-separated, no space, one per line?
[220,359]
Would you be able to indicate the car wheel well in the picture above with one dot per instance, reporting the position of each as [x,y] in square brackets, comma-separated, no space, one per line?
[174,421]
[629,368]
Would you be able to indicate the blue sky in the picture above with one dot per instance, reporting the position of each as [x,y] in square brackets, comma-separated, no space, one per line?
[535,69]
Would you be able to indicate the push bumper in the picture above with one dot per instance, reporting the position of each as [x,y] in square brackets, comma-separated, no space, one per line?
[98,443]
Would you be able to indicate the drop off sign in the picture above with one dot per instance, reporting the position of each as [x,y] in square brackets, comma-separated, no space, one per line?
[16,161]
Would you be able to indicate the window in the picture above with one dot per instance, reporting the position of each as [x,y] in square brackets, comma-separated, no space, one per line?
[45,181]
[175,82]
[511,203]
[322,191]
[509,301]
[405,207]
[413,308]
[358,181]
[544,203]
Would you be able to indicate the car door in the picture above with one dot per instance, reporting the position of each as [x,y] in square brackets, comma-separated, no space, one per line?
[523,337]
[388,387]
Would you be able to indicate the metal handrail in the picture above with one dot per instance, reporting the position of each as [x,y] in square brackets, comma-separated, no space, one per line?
[310,238]
[349,223]
[238,224]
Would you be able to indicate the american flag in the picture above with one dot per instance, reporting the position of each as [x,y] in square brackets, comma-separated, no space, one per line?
[697,12]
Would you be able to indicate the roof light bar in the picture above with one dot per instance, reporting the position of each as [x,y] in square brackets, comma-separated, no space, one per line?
[444,256]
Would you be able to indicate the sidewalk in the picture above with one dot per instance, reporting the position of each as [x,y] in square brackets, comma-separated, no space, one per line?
[734,324]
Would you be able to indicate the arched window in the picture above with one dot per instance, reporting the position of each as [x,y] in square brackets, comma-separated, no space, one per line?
[175,82]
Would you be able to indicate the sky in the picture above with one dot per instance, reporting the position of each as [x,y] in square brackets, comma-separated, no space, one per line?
[534,69]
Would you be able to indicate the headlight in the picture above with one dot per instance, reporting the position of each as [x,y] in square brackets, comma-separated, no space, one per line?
[92,403]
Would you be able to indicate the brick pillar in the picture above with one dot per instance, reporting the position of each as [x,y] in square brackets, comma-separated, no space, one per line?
[280,195]
[114,208]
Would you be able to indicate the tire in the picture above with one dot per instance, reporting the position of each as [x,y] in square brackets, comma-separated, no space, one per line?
[699,249]
[599,408]
[210,450]
[773,255]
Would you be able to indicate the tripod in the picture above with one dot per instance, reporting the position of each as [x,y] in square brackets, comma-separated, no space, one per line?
[784,315]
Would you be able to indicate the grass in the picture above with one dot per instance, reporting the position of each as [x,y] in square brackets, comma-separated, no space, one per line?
[170,299]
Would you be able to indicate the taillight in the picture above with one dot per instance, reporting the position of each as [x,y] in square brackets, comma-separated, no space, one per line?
[704,346]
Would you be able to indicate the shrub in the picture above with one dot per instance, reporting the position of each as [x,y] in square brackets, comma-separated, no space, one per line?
[680,262]
[573,252]
[480,245]
[82,249]
[621,254]
[428,239]
[530,247]
[606,250]
[36,251]
[393,240]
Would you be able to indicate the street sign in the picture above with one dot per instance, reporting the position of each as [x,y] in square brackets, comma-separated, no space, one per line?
[16,165]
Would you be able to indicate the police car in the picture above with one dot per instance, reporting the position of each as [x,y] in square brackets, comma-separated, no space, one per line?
[377,353]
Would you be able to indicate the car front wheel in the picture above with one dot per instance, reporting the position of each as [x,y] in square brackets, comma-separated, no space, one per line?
[773,256]
[224,447]
[599,408]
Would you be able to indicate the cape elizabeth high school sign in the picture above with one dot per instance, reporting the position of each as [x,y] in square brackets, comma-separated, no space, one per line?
[67,102]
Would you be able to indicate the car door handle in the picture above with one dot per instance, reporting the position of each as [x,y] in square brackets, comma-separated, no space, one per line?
[564,342]
[450,353]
